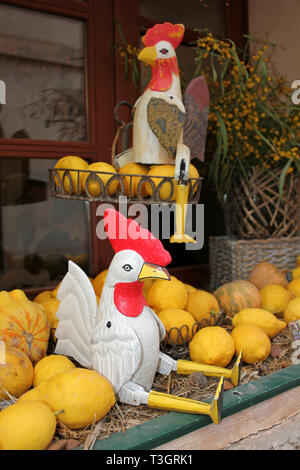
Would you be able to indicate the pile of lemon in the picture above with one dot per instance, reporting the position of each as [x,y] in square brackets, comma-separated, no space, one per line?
[178,304]
[105,172]
[284,302]
[59,394]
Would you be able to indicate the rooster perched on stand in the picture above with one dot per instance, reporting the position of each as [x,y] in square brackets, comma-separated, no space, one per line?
[121,337]
[161,125]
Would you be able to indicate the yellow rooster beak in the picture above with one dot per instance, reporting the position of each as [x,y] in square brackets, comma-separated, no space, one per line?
[148,55]
[149,271]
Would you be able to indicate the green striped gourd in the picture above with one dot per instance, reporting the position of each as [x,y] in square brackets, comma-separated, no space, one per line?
[236,295]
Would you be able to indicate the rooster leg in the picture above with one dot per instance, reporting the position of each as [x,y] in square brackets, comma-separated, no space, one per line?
[182,166]
[188,367]
[165,364]
[133,394]
[123,158]
[164,401]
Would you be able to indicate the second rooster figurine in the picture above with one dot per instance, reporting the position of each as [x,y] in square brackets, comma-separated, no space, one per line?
[121,337]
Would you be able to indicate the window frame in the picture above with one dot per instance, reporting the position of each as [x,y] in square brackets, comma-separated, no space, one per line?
[99,139]
[100,90]
[105,87]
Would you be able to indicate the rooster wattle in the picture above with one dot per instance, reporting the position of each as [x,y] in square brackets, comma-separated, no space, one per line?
[121,337]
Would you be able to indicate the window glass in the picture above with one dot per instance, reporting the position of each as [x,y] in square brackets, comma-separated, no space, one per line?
[38,233]
[42,62]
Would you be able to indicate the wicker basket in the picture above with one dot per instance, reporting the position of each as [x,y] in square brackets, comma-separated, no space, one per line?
[59,178]
[176,341]
[231,259]
[255,210]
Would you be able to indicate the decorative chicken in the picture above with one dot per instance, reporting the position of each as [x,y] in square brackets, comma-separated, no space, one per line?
[121,338]
[160,125]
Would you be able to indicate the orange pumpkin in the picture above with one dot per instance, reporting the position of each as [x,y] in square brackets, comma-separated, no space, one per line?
[237,295]
[23,324]
[266,274]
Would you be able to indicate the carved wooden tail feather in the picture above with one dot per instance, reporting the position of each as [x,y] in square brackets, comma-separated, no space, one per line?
[76,314]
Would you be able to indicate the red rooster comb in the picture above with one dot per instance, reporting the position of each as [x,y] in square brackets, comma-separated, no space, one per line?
[126,234]
[172,33]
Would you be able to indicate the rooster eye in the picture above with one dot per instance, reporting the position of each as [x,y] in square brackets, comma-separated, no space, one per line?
[164,51]
[127,267]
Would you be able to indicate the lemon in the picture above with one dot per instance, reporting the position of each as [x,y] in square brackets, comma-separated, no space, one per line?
[292,311]
[167,294]
[296,273]
[166,188]
[274,298]
[212,345]
[84,395]
[47,294]
[93,186]
[175,319]
[98,282]
[201,304]
[54,291]
[50,306]
[261,318]
[36,393]
[133,169]
[71,163]
[26,425]
[147,283]
[50,366]
[294,287]
[16,374]
[190,288]
[254,342]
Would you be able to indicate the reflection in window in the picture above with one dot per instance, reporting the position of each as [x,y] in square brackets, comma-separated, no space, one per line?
[38,233]
[42,62]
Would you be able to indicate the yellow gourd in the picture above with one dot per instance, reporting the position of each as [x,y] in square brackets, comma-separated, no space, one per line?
[212,345]
[99,281]
[296,273]
[133,169]
[294,287]
[28,425]
[84,395]
[167,294]
[23,324]
[106,172]
[274,298]
[175,320]
[292,311]
[16,373]
[254,342]
[71,162]
[261,318]
[49,366]
[201,304]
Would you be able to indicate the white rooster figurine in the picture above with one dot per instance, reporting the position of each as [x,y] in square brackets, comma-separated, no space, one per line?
[160,117]
[121,337]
